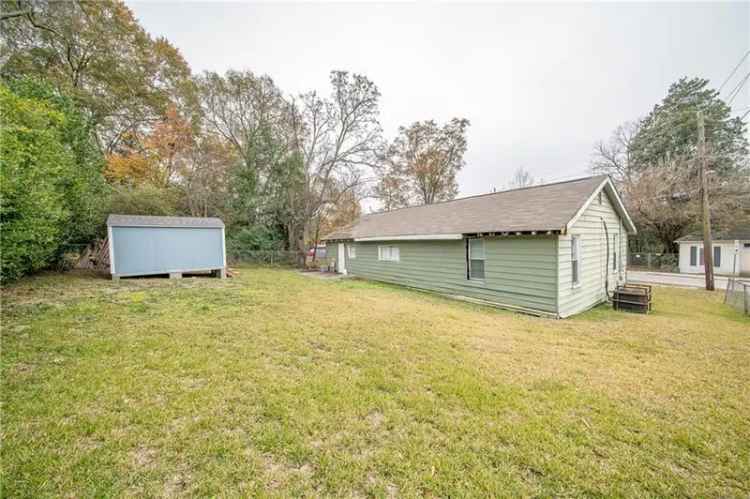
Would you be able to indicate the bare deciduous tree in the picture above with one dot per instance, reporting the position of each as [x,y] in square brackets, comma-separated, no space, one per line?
[522,178]
[339,139]
[614,156]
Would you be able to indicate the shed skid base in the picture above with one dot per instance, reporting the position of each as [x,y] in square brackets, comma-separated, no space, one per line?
[220,273]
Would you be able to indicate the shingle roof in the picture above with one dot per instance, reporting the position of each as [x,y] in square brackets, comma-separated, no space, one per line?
[539,208]
[150,221]
[726,235]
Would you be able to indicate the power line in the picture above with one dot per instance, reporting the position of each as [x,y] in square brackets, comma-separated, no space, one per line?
[734,70]
[737,89]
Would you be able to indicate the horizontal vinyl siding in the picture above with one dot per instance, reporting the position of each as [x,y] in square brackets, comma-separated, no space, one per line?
[519,272]
[593,255]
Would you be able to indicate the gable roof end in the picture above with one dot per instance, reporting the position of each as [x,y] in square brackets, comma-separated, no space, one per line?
[609,187]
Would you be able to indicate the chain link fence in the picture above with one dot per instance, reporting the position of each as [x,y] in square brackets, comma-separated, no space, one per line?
[655,262]
[265,257]
[738,295]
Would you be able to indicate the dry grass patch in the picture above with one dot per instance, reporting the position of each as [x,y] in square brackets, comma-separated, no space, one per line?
[277,384]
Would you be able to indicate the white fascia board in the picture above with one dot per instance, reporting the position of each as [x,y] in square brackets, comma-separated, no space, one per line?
[423,237]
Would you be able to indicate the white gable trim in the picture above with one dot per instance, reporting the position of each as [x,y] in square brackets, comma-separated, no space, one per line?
[618,205]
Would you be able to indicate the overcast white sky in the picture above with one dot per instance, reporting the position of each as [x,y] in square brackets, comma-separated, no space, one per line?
[541,83]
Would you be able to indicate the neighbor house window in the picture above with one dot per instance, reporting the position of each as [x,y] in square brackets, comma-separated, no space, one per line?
[700,257]
[693,256]
[475,248]
[717,256]
[575,259]
[614,252]
[352,251]
[388,253]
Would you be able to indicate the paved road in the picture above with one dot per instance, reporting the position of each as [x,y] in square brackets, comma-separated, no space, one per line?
[665,279]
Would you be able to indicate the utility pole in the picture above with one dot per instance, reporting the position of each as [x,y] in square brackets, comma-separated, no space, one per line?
[708,256]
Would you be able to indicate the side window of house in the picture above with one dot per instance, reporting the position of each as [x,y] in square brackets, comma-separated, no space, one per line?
[693,256]
[475,247]
[352,251]
[614,252]
[388,253]
[575,259]
[717,256]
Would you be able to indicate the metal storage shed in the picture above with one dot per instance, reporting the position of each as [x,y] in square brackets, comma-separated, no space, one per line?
[146,245]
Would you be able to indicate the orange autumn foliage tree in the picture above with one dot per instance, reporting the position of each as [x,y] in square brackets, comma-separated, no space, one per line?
[158,158]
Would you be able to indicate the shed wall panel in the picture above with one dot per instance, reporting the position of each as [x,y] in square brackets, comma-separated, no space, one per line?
[158,250]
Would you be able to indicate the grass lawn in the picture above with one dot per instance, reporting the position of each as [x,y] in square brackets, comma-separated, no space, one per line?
[280,384]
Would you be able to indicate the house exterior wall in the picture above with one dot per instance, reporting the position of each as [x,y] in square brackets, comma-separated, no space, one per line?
[519,271]
[594,264]
[160,250]
[727,258]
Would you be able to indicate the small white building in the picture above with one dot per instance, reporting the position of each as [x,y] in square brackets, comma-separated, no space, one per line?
[731,253]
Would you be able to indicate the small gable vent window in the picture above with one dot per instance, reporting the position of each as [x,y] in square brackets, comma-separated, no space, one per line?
[475,256]
[388,254]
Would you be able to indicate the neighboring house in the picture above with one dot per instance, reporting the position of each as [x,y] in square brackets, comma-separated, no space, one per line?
[546,249]
[145,245]
[731,253]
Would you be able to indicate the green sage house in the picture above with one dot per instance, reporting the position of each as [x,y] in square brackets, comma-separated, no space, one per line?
[552,250]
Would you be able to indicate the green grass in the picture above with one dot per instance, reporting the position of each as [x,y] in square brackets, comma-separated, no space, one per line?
[278,384]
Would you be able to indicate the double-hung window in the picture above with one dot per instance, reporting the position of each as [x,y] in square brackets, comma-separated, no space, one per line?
[475,257]
[352,251]
[388,253]
[575,260]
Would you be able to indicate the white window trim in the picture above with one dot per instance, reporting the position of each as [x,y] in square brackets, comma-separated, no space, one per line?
[351,251]
[573,239]
[468,261]
[390,258]
[615,254]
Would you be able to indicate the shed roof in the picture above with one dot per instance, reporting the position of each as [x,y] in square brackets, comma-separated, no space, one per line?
[151,221]
[549,207]
[738,233]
